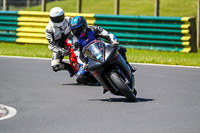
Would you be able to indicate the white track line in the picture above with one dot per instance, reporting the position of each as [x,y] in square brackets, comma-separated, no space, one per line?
[11,112]
[144,64]
[163,65]
[21,57]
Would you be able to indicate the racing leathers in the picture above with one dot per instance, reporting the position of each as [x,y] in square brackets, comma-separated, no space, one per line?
[92,33]
[56,37]
[96,32]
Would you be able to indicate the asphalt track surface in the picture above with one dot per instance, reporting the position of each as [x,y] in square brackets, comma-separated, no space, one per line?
[168,101]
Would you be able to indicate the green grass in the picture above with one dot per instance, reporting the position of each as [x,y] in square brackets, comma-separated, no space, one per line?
[135,56]
[27,50]
[178,8]
[163,57]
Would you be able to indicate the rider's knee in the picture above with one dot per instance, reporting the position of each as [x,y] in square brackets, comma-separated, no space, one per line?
[57,65]
[122,51]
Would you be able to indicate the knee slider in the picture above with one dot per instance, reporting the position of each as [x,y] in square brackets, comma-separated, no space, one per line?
[56,67]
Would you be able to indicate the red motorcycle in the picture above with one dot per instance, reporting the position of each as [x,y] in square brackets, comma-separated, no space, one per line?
[83,77]
[72,57]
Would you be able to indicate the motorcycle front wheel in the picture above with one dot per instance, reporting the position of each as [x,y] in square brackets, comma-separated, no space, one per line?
[123,87]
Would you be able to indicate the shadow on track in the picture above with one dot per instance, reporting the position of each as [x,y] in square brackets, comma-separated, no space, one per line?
[138,100]
[76,84]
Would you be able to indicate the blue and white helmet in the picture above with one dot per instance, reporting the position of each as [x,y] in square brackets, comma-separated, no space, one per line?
[57,16]
[78,26]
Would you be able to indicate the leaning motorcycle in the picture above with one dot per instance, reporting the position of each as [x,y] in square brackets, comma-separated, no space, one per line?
[110,69]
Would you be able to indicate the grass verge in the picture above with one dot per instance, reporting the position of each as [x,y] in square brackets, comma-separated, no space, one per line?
[176,8]
[133,55]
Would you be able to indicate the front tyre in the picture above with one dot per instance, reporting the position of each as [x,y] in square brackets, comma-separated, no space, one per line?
[123,87]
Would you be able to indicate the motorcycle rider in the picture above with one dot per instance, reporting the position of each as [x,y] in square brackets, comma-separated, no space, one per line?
[57,31]
[85,34]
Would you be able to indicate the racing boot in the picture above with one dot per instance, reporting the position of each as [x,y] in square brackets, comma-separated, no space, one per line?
[122,51]
[71,71]
[104,91]
[133,69]
[87,79]
[81,79]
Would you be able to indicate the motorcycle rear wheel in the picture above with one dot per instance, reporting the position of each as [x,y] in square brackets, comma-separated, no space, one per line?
[123,87]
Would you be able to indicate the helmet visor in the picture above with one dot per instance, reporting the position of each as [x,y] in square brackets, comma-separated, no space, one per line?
[57,19]
[78,31]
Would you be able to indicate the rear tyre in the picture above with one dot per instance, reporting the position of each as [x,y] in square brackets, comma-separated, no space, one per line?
[123,88]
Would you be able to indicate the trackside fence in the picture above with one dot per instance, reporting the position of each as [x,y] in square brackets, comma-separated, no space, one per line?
[139,32]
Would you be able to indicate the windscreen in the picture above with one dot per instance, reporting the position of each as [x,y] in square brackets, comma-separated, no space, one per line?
[95,51]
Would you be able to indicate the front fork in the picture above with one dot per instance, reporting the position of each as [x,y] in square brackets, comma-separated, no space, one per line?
[120,66]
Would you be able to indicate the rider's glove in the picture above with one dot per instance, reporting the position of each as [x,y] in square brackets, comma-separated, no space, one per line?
[115,43]
[75,44]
